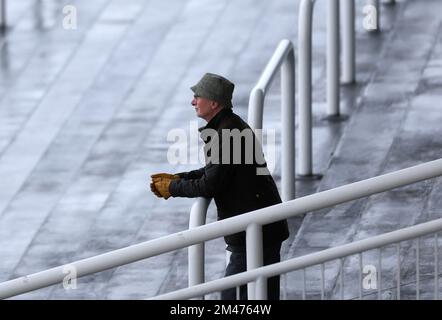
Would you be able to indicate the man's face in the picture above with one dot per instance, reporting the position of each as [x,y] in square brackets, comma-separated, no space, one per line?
[204,108]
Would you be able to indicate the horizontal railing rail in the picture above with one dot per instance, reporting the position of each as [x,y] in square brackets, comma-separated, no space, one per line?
[309,260]
[225,227]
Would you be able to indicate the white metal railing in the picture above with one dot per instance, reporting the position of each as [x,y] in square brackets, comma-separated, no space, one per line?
[348,42]
[196,252]
[333,58]
[320,258]
[247,221]
[305,18]
[283,58]
[333,68]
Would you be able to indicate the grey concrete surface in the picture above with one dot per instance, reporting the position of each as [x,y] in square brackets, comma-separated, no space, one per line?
[84,118]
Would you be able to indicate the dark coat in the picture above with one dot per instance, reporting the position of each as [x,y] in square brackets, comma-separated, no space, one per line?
[235,186]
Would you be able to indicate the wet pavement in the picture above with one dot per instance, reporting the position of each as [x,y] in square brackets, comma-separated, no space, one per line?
[85,114]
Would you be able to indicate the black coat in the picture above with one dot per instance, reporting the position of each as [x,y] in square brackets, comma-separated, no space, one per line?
[235,186]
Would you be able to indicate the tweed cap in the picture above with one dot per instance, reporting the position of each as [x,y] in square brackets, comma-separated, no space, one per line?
[216,88]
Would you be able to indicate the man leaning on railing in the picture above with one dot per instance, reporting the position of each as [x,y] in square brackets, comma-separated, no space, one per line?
[233,176]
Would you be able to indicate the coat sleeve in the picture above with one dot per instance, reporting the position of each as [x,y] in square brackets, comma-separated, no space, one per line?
[214,179]
[194,174]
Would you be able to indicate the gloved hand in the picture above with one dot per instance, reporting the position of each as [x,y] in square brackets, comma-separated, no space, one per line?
[159,178]
[154,190]
[162,186]
[165,175]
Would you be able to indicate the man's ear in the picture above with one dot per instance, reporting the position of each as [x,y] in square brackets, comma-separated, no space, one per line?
[215,105]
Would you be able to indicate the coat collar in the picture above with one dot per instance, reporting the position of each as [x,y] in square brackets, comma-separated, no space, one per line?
[216,120]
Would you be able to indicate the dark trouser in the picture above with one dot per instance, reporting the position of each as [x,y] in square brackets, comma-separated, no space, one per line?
[238,264]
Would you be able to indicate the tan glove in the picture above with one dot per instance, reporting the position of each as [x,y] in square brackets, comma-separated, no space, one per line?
[160,178]
[165,175]
[154,190]
[162,186]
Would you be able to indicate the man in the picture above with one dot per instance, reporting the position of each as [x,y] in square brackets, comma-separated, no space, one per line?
[228,177]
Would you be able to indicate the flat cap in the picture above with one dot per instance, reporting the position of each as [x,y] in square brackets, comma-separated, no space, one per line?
[216,88]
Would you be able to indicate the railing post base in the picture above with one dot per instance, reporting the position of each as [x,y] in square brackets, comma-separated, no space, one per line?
[336,118]
[309,177]
[348,83]
[388,2]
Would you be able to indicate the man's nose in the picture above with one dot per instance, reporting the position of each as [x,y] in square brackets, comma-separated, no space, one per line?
[193,103]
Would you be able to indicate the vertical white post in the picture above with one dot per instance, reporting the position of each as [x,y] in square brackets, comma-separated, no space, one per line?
[261,289]
[342,278]
[333,58]
[380,274]
[417,269]
[305,87]
[2,14]
[288,127]
[255,111]
[398,274]
[360,275]
[196,252]
[436,267]
[348,42]
[254,247]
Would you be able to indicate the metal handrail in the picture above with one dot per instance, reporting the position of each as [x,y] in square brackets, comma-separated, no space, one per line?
[305,86]
[348,42]
[308,260]
[283,58]
[333,58]
[333,66]
[225,227]
[196,252]
[333,73]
